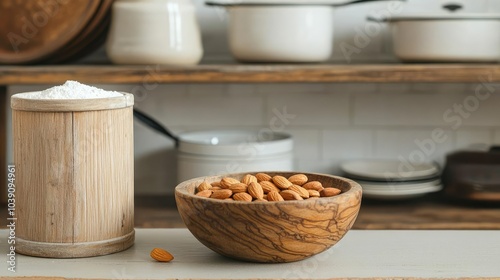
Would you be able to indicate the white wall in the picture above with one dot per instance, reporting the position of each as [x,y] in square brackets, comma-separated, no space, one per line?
[334,122]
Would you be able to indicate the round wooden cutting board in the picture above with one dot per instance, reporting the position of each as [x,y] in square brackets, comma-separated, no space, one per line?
[90,38]
[34,29]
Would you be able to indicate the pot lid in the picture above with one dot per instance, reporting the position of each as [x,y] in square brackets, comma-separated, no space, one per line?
[449,12]
[285,2]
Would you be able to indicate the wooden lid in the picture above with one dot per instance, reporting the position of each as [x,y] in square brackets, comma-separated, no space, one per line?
[17,102]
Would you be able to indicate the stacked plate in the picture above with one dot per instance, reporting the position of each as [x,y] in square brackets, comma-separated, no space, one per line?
[393,179]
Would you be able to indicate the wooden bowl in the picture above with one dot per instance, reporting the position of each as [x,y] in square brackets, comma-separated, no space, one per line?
[272,232]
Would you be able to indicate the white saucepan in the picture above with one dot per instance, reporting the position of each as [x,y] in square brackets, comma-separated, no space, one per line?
[212,152]
[281,31]
[451,36]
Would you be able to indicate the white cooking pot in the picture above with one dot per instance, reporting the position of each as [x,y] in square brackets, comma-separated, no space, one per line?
[281,31]
[446,37]
[205,153]
[154,32]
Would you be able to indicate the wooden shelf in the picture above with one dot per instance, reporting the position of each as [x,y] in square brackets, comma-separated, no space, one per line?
[257,73]
[425,213]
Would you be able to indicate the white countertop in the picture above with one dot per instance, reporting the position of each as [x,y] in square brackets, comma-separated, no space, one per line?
[361,254]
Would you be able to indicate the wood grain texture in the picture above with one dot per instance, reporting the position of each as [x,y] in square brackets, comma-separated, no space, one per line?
[428,212]
[43,145]
[104,174]
[273,232]
[3,144]
[241,73]
[75,182]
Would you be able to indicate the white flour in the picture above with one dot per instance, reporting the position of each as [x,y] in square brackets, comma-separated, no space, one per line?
[71,90]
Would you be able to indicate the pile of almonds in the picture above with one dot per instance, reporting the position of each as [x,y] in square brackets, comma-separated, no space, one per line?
[263,187]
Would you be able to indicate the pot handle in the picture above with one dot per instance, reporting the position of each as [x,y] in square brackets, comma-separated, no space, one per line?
[149,121]
[452,7]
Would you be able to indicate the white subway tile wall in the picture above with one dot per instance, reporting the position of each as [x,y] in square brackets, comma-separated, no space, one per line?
[332,122]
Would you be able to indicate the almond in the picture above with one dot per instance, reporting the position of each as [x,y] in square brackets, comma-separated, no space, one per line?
[242,197]
[313,193]
[205,193]
[204,186]
[281,182]
[215,184]
[269,186]
[255,190]
[327,192]
[300,190]
[161,255]
[261,200]
[216,188]
[238,187]
[221,194]
[226,182]
[298,179]
[313,185]
[263,177]
[290,195]
[274,196]
[247,179]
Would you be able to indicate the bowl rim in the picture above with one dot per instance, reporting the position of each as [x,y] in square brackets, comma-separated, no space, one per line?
[180,189]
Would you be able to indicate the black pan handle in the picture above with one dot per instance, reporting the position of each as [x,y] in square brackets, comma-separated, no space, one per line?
[149,121]
[452,7]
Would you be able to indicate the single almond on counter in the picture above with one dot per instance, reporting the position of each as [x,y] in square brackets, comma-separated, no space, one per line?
[274,196]
[205,193]
[300,190]
[161,255]
[222,194]
[242,197]
[313,185]
[298,179]
[290,195]
[281,182]
[255,190]
[247,179]
[327,192]
[263,177]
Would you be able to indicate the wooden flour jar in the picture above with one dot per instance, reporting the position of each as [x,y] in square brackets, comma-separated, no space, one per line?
[74,173]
